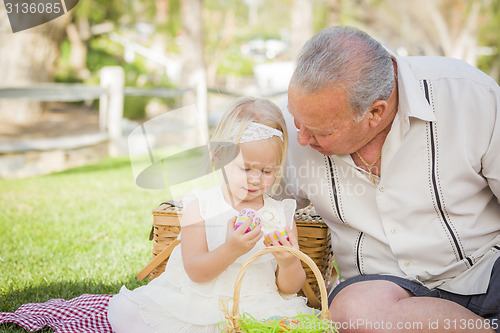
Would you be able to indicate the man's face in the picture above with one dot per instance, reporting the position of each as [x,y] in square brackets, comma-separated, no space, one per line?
[325,121]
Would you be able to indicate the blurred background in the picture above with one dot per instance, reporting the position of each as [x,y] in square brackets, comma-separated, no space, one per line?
[72,89]
[80,93]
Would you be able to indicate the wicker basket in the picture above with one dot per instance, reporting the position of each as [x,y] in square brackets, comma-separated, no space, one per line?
[233,316]
[314,241]
[166,228]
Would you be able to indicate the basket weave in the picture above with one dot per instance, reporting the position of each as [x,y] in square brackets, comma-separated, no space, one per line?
[166,228]
[233,316]
[314,241]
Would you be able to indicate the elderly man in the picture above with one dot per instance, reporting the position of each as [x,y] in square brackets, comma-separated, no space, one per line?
[401,158]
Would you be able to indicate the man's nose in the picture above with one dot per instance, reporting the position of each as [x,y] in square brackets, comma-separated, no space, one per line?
[304,137]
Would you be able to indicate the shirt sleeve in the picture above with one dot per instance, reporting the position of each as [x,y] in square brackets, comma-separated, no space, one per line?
[491,160]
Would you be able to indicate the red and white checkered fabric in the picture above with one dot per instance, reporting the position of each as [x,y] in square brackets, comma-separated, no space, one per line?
[84,314]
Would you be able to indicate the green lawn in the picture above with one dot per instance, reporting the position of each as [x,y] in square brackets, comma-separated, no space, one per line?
[84,230]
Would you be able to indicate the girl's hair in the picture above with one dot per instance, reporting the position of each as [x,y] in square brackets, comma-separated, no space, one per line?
[349,58]
[249,109]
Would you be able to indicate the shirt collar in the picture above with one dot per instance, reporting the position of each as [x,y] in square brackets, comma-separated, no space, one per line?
[412,101]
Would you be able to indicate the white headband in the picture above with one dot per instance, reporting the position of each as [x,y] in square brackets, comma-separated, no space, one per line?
[256,131]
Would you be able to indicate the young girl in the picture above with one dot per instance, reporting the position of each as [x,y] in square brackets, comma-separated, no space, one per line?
[201,273]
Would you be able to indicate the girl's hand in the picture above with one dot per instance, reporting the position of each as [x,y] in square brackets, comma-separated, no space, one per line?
[239,241]
[290,276]
[284,259]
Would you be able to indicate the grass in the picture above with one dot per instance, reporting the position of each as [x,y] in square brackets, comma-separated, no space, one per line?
[84,230]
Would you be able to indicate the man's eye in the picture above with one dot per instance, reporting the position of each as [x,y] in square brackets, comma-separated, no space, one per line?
[328,133]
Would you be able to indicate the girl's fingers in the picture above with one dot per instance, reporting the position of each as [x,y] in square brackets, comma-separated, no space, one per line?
[230,227]
[243,227]
[272,240]
[255,234]
[291,238]
[230,223]
[282,239]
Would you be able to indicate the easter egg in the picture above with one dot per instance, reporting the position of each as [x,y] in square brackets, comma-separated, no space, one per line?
[244,215]
[283,232]
[284,324]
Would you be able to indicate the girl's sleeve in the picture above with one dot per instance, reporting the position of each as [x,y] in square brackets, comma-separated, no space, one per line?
[289,206]
[192,201]
[192,210]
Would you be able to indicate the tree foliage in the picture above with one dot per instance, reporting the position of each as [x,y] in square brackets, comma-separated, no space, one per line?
[489,38]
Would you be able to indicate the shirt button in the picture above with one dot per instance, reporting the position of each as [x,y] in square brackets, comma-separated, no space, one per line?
[407,263]
[394,230]
[381,189]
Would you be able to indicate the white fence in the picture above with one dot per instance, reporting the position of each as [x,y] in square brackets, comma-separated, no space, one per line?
[110,93]
[15,155]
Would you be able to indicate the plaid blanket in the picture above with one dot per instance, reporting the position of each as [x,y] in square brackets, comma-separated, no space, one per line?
[84,314]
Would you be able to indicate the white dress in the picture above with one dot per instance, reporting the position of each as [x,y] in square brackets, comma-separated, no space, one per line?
[174,303]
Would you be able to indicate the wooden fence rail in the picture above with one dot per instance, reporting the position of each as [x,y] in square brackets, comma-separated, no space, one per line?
[110,93]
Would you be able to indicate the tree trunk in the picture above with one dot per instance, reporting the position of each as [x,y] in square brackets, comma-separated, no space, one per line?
[78,34]
[162,11]
[302,24]
[334,12]
[28,57]
[225,37]
[193,67]
[457,28]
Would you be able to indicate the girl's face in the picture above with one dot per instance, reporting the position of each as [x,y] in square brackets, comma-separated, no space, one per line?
[253,171]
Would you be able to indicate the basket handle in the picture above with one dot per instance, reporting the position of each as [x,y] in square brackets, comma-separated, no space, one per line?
[163,255]
[325,313]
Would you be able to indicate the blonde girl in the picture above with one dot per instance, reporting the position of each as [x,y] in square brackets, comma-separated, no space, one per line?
[200,274]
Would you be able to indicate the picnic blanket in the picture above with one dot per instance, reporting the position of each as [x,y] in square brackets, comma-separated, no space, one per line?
[84,314]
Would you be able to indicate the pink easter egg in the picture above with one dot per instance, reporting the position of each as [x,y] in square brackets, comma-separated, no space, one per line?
[283,232]
[244,215]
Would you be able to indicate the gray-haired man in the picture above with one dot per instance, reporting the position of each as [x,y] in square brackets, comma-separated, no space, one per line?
[401,158]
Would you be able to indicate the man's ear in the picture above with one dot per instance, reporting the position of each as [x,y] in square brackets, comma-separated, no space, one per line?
[377,112]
